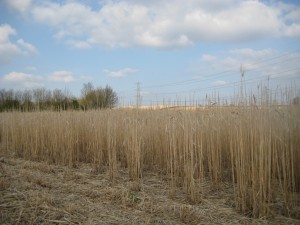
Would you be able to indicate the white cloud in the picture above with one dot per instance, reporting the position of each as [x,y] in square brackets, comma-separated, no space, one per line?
[207,58]
[293,30]
[19,5]
[246,20]
[293,14]
[291,17]
[62,76]
[160,24]
[252,54]
[22,80]
[79,44]
[5,32]
[229,63]
[220,82]
[120,73]
[29,48]
[10,50]
[255,63]
[248,58]
[30,68]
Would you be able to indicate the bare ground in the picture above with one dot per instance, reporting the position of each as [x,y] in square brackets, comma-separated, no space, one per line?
[39,193]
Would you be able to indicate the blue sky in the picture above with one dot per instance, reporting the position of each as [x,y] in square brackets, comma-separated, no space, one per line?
[177,49]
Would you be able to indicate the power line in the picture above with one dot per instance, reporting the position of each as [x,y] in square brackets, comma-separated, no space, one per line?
[217,75]
[216,87]
[248,81]
[178,101]
[272,58]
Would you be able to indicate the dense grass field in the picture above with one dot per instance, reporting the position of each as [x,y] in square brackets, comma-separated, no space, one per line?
[246,157]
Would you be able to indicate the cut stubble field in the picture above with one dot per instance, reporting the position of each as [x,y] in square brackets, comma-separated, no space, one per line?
[38,193]
[224,165]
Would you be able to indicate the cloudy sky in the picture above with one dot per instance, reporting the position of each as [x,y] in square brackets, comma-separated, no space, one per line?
[179,49]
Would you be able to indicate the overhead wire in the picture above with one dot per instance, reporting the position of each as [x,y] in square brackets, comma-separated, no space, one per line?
[230,84]
[217,74]
[290,57]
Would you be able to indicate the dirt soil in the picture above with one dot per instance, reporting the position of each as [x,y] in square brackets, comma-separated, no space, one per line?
[39,193]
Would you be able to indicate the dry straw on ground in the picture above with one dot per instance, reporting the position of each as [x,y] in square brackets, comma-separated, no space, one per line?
[250,155]
[38,193]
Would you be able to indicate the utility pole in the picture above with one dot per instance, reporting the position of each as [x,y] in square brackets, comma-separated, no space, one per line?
[138,94]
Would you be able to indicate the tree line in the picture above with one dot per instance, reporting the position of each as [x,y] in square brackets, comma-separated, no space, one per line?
[43,99]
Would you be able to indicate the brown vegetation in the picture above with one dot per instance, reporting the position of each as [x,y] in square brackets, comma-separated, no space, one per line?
[253,152]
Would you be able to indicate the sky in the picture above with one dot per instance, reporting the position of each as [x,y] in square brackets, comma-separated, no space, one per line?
[160,50]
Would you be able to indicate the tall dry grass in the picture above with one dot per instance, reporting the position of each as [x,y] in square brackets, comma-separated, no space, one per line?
[254,149]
